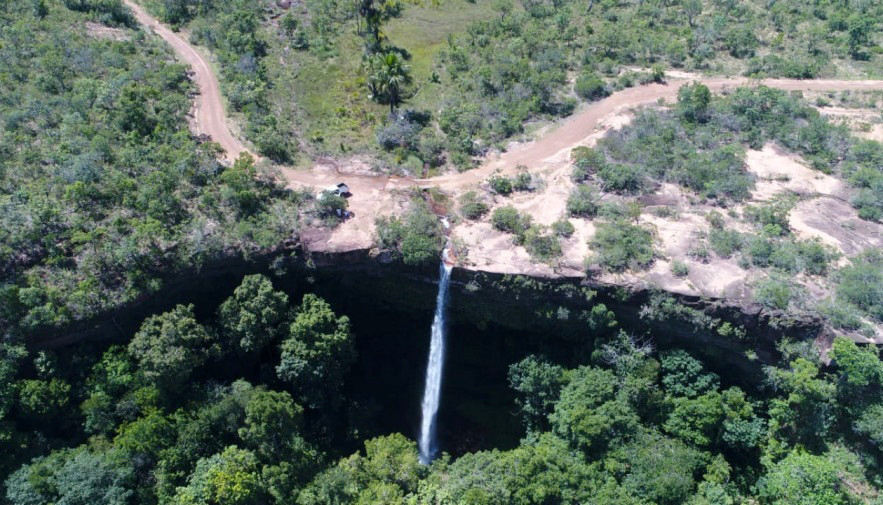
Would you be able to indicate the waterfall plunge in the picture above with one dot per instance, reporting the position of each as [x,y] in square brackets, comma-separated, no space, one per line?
[432,393]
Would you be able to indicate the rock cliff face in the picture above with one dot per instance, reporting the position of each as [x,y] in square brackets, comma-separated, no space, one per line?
[494,320]
[556,310]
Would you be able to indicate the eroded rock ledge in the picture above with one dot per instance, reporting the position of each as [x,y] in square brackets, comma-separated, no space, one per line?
[559,308]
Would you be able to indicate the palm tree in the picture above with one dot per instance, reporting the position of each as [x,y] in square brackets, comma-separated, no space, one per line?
[387,75]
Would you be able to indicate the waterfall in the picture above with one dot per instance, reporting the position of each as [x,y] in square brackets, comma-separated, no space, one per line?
[432,391]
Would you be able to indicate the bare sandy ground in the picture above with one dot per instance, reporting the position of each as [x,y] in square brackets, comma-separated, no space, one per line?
[100,31]
[864,123]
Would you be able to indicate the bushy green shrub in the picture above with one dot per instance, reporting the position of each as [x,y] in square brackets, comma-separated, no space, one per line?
[563,228]
[772,216]
[775,292]
[541,243]
[679,268]
[523,181]
[501,185]
[621,245]
[861,283]
[508,219]
[583,201]
[589,86]
[417,237]
[725,243]
[622,178]
[471,206]
[331,206]
[586,161]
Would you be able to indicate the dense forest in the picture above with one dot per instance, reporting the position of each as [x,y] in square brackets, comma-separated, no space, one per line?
[103,189]
[247,405]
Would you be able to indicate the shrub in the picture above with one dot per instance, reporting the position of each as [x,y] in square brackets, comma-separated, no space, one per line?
[775,292]
[589,86]
[861,283]
[869,201]
[522,182]
[417,236]
[471,206]
[506,219]
[814,256]
[657,73]
[329,204]
[621,245]
[540,243]
[740,41]
[501,185]
[679,268]
[760,250]
[583,201]
[773,216]
[699,252]
[724,242]
[563,228]
[621,178]
[693,101]
[842,315]
[586,161]
[715,219]
[401,132]
[773,65]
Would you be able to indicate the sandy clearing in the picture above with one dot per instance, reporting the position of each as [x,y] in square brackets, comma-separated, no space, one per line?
[836,223]
[779,171]
[100,31]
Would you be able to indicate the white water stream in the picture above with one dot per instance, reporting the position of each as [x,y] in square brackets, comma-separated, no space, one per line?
[432,392]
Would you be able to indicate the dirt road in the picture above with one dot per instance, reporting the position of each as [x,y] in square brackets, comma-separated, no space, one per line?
[372,194]
[209,107]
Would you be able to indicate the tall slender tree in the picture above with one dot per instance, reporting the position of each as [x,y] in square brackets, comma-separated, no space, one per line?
[388,74]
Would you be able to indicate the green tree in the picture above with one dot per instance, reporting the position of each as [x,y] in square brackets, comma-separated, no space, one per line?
[693,102]
[586,161]
[169,346]
[471,206]
[684,375]
[859,32]
[253,315]
[590,86]
[145,437]
[318,351]
[272,424]
[388,470]
[537,383]
[661,470]
[231,477]
[41,399]
[72,477]
[804,410]
[802,478]
[388,74]
[589,413]
[508,219]
[111,387]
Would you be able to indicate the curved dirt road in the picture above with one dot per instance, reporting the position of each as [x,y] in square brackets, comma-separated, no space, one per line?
[371,195]
[208,107]
[211,120]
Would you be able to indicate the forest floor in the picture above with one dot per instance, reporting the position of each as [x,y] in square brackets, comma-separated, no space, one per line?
[823,210]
